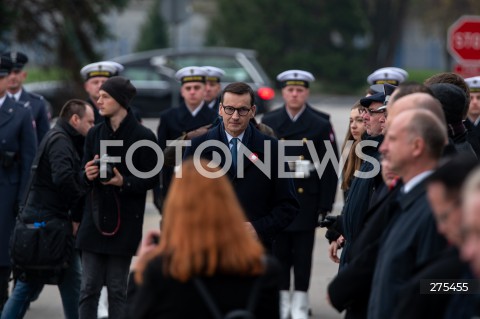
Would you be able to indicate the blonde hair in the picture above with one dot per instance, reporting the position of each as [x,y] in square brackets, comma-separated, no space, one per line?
[203,230]
[353,162]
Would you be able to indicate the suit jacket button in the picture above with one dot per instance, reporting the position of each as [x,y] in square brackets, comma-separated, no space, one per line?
[304,140]
[301,157]
[300,190]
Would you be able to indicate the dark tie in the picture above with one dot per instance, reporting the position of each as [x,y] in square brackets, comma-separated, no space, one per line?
[233,150]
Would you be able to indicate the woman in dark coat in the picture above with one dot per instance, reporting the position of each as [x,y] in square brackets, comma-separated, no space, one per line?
[203,239]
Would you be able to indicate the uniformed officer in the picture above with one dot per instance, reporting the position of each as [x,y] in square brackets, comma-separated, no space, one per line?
[213,86]
[95,74]
[473,114]
[18,144]
[191,114]
[390,75]
[36,103]
[294,246]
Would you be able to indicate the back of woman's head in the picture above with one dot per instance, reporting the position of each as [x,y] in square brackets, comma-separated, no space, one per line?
[203,230]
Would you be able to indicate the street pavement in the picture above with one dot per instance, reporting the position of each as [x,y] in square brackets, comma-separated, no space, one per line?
[48,305]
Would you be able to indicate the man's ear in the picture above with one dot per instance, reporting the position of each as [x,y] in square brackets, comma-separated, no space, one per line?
[418,146]
[74,120]
[254,110]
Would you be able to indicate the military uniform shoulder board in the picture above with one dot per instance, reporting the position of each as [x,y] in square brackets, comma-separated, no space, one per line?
[35,96]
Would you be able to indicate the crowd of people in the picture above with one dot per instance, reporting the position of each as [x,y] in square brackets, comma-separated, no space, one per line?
[241,201]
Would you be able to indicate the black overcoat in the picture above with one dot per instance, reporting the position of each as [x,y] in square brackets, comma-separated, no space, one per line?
[130,198]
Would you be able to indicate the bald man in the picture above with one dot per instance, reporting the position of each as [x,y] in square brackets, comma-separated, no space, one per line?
[412,147]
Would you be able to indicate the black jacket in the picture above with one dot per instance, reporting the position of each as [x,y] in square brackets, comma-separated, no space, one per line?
[350,289]
[58,186]
[360,193]
[118,206]
[164,297]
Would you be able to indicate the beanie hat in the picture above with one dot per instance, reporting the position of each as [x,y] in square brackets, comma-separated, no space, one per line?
[453,101]
[120,89]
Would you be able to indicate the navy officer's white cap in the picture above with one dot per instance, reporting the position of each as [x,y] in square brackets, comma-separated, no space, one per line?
[390,75]
[214,74]
[191,74]
[473,83]
[103,68]
[295,77]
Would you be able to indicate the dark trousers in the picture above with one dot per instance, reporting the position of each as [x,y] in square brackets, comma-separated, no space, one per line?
[99,270]
[4,279]
[294,250]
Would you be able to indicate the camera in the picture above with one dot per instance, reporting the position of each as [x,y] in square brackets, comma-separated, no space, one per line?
[106,168]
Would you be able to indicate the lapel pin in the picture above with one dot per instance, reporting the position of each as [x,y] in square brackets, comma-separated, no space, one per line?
[253,157]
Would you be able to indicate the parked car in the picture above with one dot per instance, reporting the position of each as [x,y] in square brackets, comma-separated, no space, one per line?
[153,74]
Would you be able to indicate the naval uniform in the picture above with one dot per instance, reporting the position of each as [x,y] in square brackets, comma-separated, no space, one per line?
[175,122]
[294,246]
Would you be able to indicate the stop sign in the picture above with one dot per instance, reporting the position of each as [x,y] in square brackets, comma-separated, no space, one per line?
[464,39]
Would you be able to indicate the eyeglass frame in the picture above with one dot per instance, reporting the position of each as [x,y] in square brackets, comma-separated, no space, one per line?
[370,112]
[235,109]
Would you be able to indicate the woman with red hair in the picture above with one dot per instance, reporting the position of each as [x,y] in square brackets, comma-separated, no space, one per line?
[204,242]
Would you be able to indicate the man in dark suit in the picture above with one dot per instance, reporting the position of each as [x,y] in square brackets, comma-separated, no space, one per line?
[192,114]
[18,145]
[36,103]
[293,247]
[268,199]
[412,146]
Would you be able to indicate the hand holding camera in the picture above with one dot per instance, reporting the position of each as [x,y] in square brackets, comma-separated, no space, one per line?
[104,170]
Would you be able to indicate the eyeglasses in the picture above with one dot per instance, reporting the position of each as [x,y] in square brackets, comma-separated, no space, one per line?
[370,111]
[242,111]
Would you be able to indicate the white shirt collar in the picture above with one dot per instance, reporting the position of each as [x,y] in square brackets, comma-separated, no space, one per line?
[294,118]
[229,137]
[197,109]
[15,96]
[415,181]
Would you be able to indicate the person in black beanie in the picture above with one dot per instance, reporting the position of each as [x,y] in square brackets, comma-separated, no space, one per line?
[112,221]
[453,100]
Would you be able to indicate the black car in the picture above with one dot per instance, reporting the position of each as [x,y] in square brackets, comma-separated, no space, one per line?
[153,74]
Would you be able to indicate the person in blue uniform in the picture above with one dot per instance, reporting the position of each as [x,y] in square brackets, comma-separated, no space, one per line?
[18,144]
[36,103]
[192,114]
[293,247]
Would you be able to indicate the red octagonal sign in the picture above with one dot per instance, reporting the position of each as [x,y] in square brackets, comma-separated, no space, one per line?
[464,39]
